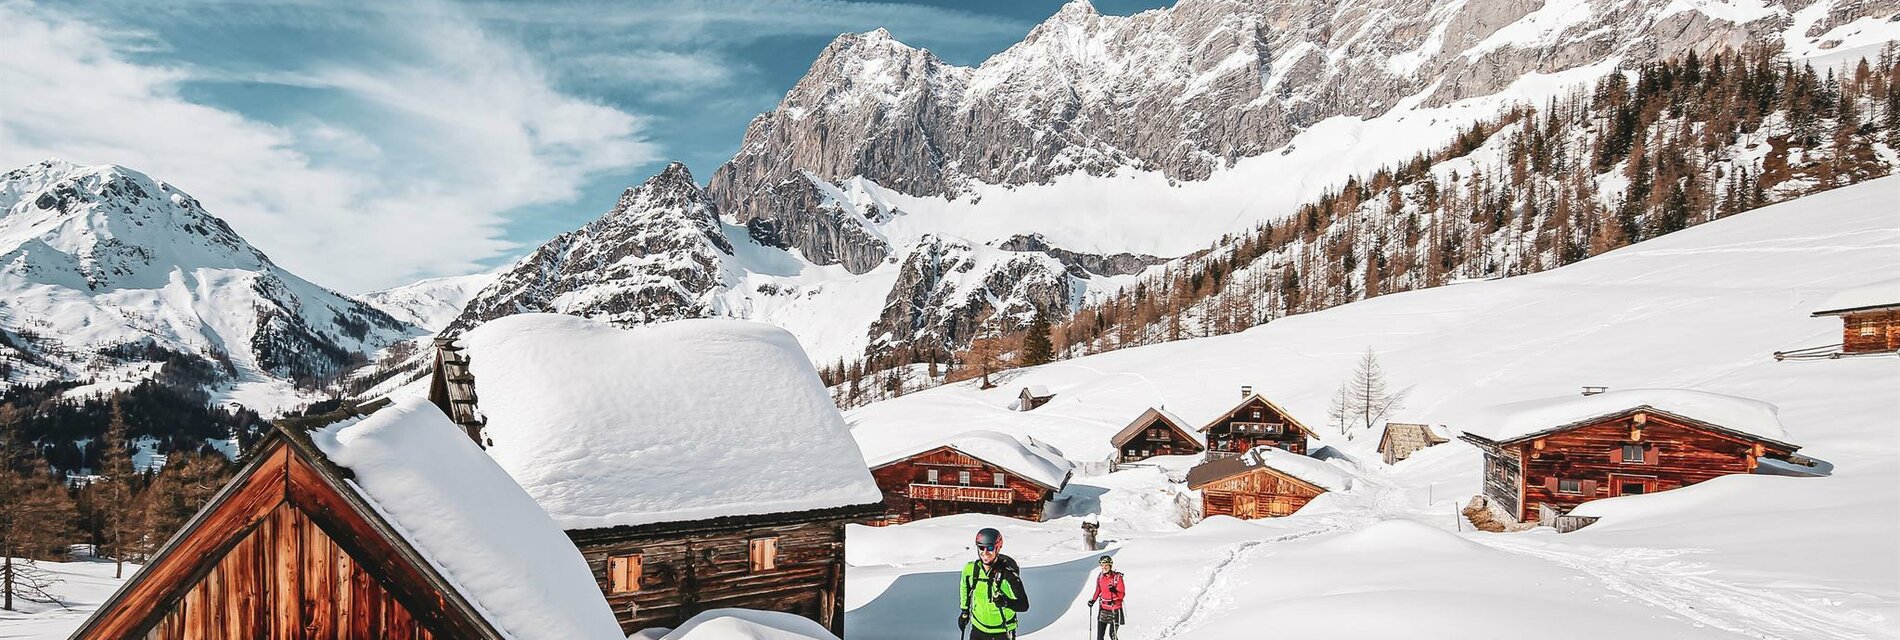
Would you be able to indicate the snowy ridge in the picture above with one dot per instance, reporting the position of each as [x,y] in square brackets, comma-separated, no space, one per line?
[105,268]
[432,303]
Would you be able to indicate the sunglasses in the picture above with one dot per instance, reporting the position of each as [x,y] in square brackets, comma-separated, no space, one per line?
[985,547]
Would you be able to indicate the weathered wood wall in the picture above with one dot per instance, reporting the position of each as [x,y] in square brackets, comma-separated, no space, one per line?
[1870,331]
[895,479]
[1503,477]
[1258,493]
[1145,445]
[683,575]
[1400,440]
[287,579]
[1675,455]
[1225,439]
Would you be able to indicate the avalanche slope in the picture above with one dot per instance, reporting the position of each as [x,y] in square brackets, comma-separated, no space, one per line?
[1737,557]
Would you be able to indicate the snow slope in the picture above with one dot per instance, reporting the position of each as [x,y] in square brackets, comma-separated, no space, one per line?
[1737,557]
[432,303]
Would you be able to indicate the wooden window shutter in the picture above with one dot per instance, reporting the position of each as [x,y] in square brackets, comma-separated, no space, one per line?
[764,554]
[1550,483]
[1651,454]
[623,574]
[1590,488]
[1616,454]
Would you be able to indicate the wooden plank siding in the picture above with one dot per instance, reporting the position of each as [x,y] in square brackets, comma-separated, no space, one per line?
[1241,430]
[1676,454]
[1870,331]
[683,575]
[1257,493]
[1158,437]
[896,479]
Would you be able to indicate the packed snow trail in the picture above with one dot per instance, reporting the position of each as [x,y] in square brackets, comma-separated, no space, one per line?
[1217,576]
[1687,589]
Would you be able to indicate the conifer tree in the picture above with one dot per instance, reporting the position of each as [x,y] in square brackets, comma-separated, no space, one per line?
[1037,347]
[35,515]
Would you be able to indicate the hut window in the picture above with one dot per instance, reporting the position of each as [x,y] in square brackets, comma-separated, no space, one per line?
[1256,413]
[963,477]
[764,554]
[1569,486]
[1633,453]
[1001,479]
[930,476]
[623,574]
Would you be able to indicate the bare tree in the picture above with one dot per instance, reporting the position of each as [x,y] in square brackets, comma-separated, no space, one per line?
[1363,400]
[119,508]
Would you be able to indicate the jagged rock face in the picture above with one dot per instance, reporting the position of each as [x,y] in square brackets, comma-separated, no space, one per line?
[1083,265]
[1183,91]
[948,292]
[658,255]
[824,229]
[106,270]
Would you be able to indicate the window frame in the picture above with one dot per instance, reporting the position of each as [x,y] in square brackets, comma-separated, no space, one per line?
[963,478]
[1642,454]
[930,476]
[1577,491]
[999,479]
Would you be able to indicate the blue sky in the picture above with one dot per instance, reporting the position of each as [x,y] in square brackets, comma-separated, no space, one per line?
[367,144]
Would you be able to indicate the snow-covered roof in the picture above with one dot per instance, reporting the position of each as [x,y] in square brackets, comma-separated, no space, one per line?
[1148,417]
[1313,471]
[748,624]
[1036,461]
[1885,293]
[1520,420]
[471,522]
[1037,391]
[671,422]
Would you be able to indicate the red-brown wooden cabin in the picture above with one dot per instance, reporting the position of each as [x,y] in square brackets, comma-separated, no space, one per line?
[972,472]
[1264,482]
[1870,317]
[1567,451]
[1256,421]
[1156,432]
[298,546]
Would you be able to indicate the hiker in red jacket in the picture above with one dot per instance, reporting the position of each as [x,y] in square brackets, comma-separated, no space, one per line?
[1109,590]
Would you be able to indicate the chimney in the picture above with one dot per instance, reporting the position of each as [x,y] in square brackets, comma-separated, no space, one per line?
[1246,390]
[1591,391]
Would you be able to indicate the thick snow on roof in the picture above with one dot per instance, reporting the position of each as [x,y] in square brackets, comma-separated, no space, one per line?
[1882,293]
[748,624]
[1033,460]
[1519,419]
[1313,470]
[1038,391]
[677,421]
[470,520]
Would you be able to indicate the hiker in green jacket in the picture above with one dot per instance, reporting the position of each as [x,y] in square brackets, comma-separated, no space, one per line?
[992,591]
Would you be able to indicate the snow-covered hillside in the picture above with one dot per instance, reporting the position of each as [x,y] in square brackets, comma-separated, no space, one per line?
[1705,308]
[109,274]
[432,303]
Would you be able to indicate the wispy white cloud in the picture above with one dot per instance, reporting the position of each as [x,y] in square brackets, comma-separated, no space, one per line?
[471,128]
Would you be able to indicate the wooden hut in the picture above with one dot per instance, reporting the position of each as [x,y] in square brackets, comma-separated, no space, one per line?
[1033,396]
[376,522]
[1566,451]
[1256,421]
[1263,482]
[1870,317]
[697,464]
[1402,438]
[973,472]
[1156,432]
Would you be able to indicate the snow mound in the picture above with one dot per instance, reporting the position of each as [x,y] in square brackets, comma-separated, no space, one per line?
[1400,537]
[1033,460]
[683,420]
[1885,293]
[470,521]
[748,624]
[1517,420]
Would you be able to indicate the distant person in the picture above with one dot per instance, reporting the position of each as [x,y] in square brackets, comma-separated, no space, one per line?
[1110,589]
[992,591]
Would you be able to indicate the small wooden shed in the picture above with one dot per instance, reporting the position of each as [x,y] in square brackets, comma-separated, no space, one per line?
[1870,317]
[1156,432]
[1033,396]
[356,524]
[1566,451]
[1256,421]
[1263,482]
[697,464]
[1402,438]
[971,472]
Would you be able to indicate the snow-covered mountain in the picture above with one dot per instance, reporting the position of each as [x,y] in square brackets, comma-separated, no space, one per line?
[107,273]
[431,303]
[1095,137]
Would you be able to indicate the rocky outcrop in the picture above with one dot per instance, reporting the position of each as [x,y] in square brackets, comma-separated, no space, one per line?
[948,292]
[825,229]
[1082,265]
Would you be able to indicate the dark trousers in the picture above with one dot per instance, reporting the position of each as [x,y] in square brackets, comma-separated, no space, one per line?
[1108,621]
[978,634]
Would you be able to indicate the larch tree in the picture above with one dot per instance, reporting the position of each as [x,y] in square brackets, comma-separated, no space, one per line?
[35,516]
[1364,400]
[120,510]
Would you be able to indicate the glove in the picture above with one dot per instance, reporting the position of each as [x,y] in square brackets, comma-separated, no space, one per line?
[1091,603]
[963,620]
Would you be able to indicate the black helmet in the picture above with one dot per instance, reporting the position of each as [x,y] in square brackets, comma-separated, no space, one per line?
[988,539]
[1107,560]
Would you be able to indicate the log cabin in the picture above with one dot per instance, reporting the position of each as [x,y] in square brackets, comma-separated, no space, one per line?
[1566,451]
[1401,439]
[971,472]
[1870,317]
[696,465]
[1263,482]
[1156,432]
[378,521]
[1254,422]
[1033,396]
